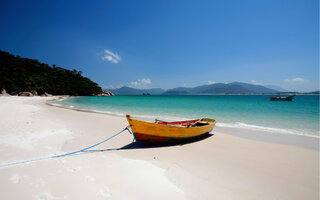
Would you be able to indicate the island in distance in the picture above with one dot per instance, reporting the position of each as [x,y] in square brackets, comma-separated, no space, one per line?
[216,88]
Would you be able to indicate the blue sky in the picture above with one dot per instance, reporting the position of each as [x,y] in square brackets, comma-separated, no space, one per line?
[167,44]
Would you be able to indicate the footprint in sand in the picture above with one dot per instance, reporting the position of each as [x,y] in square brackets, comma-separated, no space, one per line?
[105,193]
[73,169]
[38,183]
[48,196]
[89,178]
[16,178]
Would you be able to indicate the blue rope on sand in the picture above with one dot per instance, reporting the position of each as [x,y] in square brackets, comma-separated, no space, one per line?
[64,154]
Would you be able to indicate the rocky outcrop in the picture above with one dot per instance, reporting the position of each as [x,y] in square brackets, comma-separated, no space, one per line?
[108,93]
[35,93]
[105,93]
[4,93]
[26,94]
[46,95]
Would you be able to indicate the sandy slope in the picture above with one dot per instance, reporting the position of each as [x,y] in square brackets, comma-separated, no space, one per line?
[219,167]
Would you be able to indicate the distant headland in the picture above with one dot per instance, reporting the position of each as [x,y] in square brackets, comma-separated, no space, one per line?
[29,77]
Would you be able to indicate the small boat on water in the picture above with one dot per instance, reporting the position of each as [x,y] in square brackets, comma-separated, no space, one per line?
[278,98]
[161,131]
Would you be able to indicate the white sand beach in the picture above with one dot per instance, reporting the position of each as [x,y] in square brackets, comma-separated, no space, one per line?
[222,166]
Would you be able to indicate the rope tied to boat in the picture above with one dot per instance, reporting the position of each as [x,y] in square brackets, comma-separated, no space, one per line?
[65,154]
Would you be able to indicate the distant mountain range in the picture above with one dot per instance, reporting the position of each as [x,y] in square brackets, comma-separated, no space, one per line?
[133,91]
[223,88]
[216,88]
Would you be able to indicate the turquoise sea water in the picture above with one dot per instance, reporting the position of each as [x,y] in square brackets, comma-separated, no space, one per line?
[256,112]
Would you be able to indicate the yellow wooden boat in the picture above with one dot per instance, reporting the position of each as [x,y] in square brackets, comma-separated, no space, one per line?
[161,131]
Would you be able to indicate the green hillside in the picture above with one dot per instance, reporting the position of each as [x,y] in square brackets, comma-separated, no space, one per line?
[23,74]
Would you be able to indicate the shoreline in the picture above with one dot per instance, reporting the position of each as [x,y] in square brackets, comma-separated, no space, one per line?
[254,132]
[222,166]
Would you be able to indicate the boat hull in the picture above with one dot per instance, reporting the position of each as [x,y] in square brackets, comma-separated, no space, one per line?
[153,138]
[289,98]
[163,132]
[278,99]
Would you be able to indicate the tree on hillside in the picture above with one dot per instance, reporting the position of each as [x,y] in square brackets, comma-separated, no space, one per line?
[23,74]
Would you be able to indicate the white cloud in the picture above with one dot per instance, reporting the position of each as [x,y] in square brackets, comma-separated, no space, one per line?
[295,80]
[110,56]
[211,82]
[300,85]
[143,82]
[256,82]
